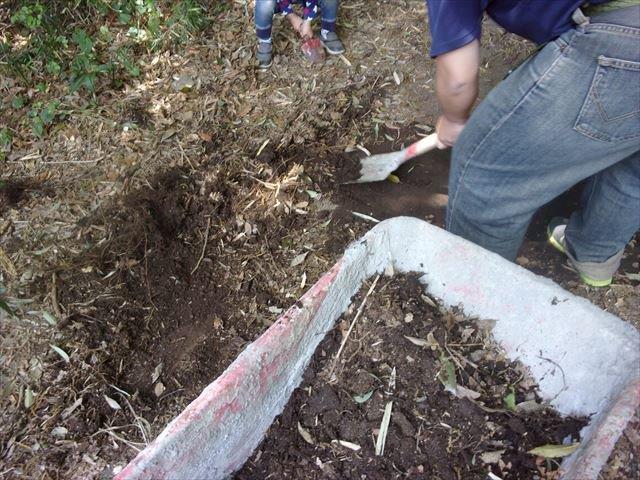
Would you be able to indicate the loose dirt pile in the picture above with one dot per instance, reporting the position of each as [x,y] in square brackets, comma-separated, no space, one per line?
[403,355]
[176,279]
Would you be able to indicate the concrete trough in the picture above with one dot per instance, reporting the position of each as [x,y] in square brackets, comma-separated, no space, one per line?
[586,361]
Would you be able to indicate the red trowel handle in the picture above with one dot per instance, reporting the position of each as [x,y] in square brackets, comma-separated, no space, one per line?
[423,145]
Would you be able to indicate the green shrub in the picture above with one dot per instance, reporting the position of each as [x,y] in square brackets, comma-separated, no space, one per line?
[89,45]
[74,41]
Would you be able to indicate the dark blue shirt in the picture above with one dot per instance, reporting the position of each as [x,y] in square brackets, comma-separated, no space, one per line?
[454,23]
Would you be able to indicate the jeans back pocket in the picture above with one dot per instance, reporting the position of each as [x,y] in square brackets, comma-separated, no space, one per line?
[611,111]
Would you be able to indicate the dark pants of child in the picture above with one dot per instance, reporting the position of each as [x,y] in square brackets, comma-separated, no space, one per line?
[266,9]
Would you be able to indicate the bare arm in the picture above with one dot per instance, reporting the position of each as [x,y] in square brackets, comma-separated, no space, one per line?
[457,89]
[303,27]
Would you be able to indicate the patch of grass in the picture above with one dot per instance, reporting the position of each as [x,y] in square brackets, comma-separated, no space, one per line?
[42,116]
[51,38]
[6,139]
[91,45]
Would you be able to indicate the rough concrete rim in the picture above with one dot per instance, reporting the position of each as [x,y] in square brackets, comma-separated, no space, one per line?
[219,430]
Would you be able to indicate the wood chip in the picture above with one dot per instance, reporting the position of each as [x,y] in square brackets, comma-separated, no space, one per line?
[349,445]
[298,259]
[492,457]
[112,403]
[554,451]
[6,264]
[306,435]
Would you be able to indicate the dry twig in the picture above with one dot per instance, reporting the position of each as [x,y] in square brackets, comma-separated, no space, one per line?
[204,246]
[355,319]
[54,296]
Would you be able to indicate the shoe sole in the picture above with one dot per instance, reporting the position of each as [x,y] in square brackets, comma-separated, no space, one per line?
[332,52]
[595,283]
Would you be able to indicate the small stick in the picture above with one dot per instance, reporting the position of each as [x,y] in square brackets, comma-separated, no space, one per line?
[54,295]
[365,217]
[204,247]
[134,445]
[74,161]
[146,271]
[355,319]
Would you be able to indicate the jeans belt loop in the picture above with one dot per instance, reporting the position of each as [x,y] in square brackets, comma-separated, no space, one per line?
[579,18]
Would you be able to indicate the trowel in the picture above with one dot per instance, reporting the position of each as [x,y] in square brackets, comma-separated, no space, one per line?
[378,167]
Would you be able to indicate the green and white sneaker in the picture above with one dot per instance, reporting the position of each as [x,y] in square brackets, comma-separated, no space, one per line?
[594,274]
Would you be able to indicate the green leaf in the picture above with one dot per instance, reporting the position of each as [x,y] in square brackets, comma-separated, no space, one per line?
[18,102]
[124,58]
[154,25]
[554,451]
[48,113]
[28,398]
[133,70]
[37,126]
[63,41]
[105,34]
[83,41]
[5,306]
[29,16]
[363,398]
[447,374]
[54,67]
[5,138]
[49,318]
[60,352]
[124,17]
[84,80]
[510,400]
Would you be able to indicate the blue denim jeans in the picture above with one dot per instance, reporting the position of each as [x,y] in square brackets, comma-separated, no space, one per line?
[265,9]
[570,113]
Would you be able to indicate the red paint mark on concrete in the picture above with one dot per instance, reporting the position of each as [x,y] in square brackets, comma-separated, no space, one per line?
[231,407]
[473,293]
[269,353]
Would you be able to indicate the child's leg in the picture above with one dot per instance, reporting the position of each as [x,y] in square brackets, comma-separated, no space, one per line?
[264,19]
[265,9]
[329,13]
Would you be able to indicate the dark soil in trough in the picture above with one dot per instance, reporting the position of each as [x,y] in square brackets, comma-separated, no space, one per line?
[432,434]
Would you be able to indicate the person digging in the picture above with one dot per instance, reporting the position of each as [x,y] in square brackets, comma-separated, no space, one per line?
[570,112]
[311,46]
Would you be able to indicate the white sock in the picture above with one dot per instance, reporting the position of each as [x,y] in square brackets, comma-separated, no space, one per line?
[324,33]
